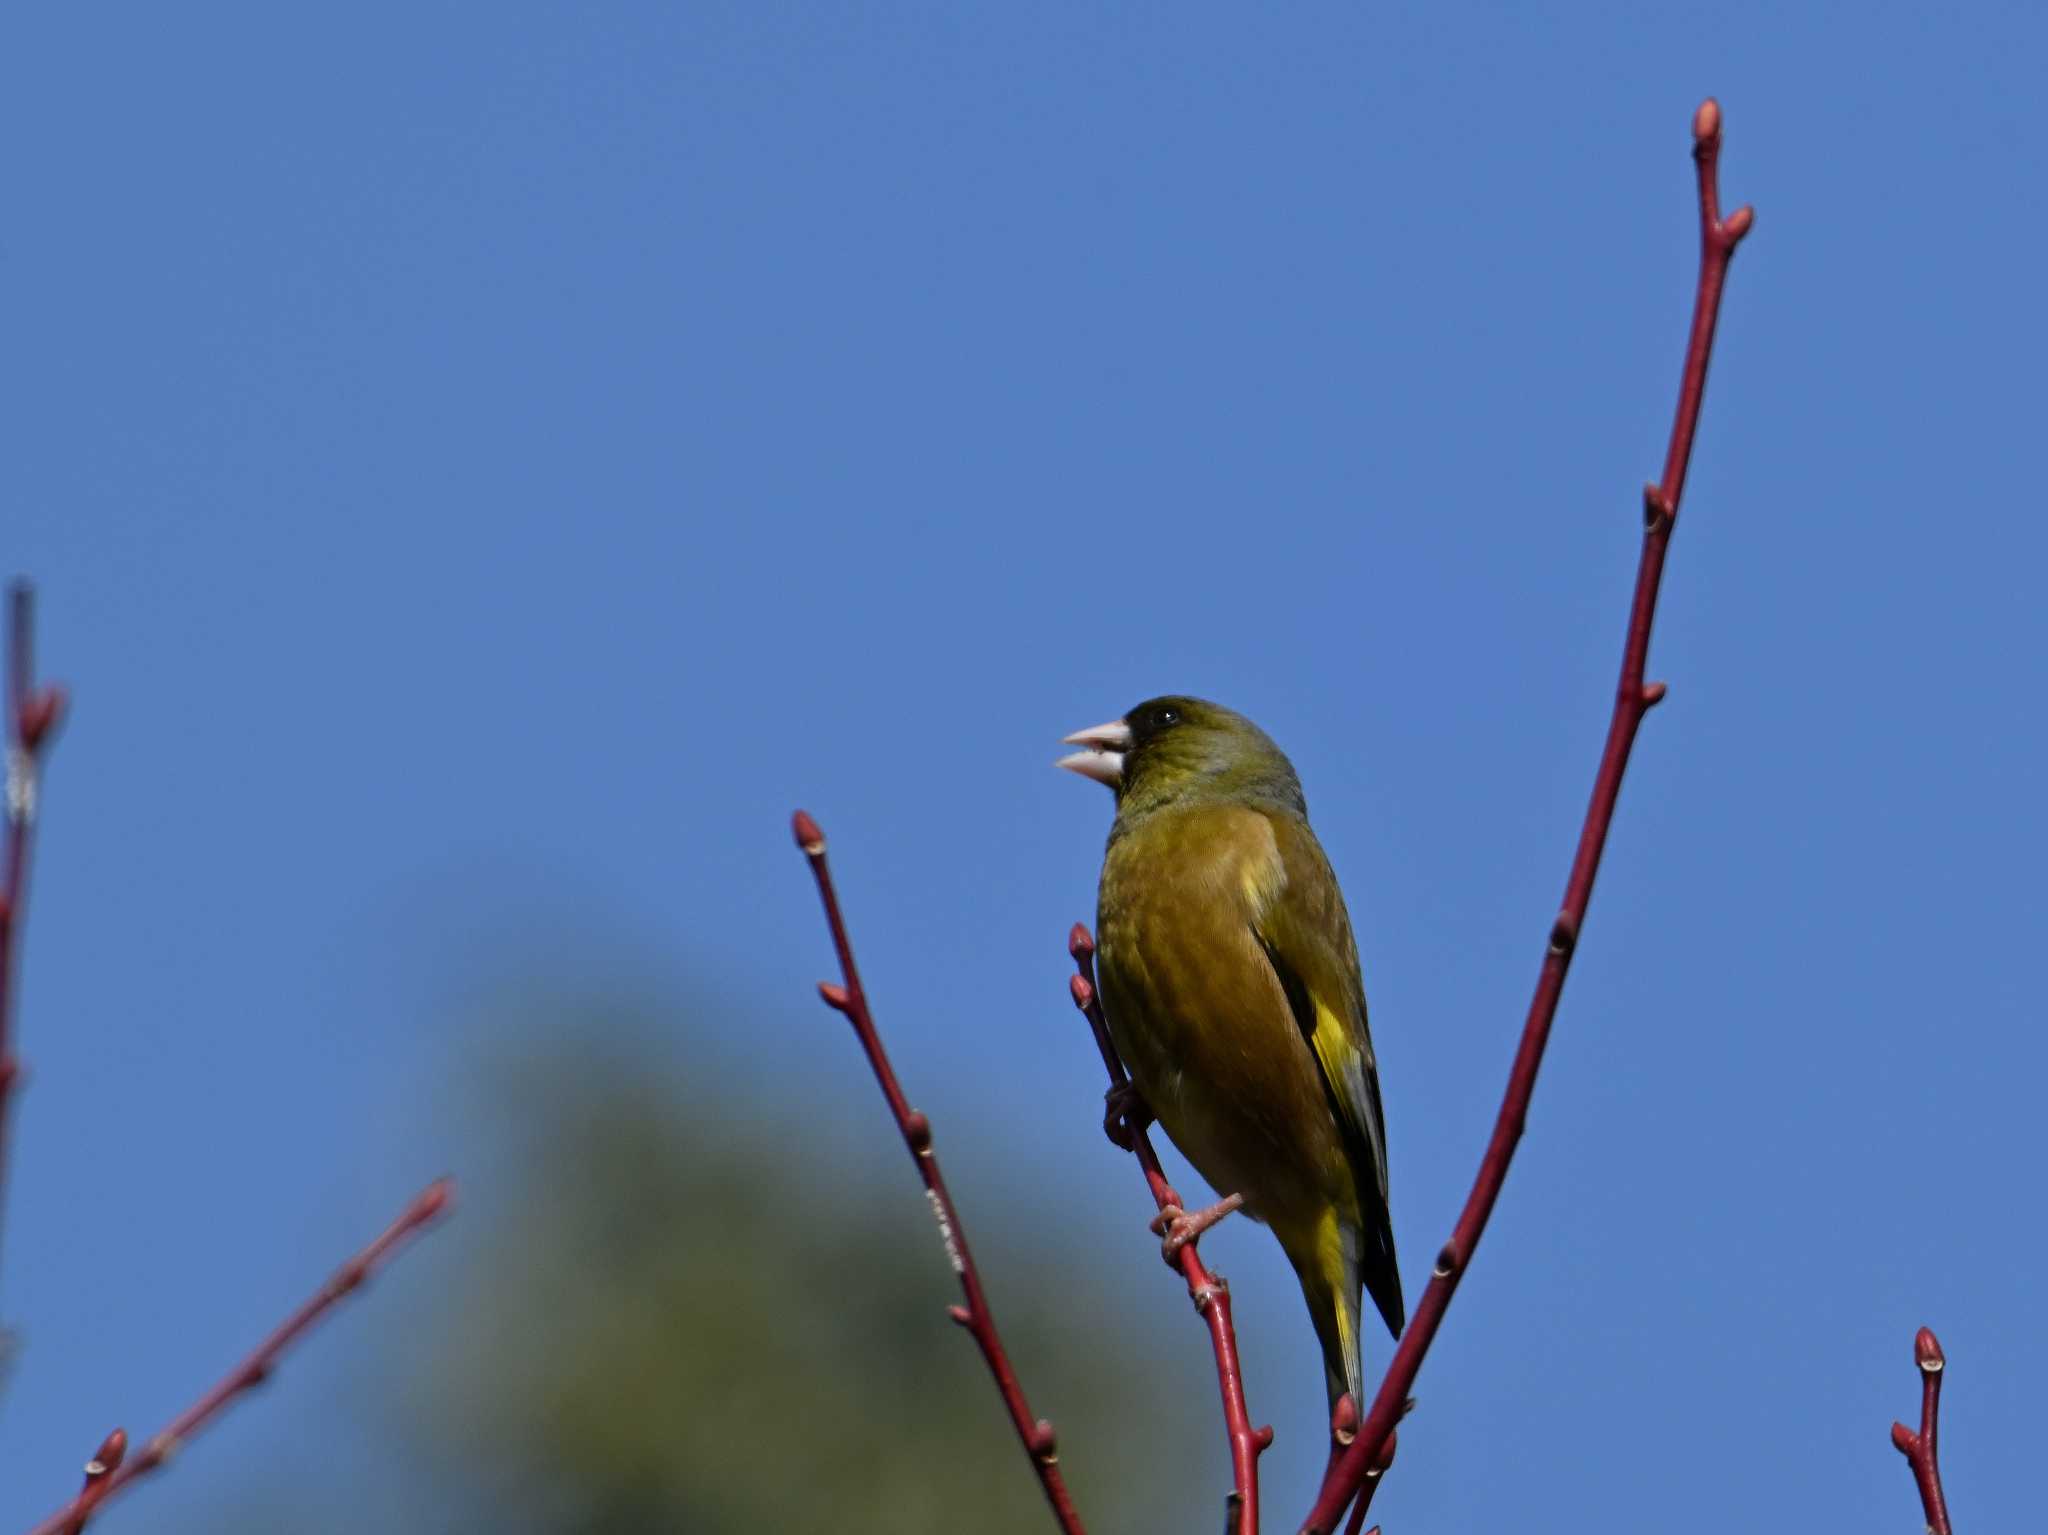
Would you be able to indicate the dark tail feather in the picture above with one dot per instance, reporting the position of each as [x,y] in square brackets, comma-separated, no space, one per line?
[1383,1276]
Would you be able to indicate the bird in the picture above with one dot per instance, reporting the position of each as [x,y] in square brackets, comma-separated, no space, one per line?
[1230,982]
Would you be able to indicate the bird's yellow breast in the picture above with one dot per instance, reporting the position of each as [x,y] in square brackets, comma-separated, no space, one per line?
[1199,1014]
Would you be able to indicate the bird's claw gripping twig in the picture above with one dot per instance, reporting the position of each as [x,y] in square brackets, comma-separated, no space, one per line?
[1176,1227]
[1125,1115]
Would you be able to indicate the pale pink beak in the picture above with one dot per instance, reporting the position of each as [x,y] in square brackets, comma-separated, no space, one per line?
[1102,754]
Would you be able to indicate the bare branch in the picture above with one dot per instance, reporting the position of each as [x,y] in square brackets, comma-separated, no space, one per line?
[1919,1449]
[108,1473]
[32,716]
[1035,1434]
[1634,698]
[1209,1291]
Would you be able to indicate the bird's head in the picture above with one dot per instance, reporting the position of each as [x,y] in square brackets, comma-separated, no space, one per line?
[1174,749]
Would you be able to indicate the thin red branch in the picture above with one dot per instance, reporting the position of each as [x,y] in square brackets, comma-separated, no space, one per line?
[1919,1449]
[99,1477]
[32,716]
[1633,699]
[1375,1477]
[1209,1291]
[1036,1434]
[113,1473]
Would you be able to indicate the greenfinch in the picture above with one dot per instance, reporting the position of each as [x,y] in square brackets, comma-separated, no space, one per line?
[1230,982]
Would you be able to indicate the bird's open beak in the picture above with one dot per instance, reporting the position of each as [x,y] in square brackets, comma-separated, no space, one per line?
[1102,752]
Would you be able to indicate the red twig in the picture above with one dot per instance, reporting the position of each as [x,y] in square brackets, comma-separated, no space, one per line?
[113,1473]
[1036,1434]
[1209,1291]
[1919,1448]
[1634,698]
[1375,1474]
[32,715]
[99,1479]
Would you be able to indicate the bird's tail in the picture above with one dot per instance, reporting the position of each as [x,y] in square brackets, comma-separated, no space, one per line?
[1330,1272]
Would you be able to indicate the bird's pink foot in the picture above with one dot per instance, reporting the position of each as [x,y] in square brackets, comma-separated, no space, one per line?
[1125,1115]
[1177,1228]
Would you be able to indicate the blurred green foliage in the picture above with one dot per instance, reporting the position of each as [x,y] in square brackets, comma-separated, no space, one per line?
[667,1316]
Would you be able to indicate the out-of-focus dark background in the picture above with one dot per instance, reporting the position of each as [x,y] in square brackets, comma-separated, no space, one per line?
[486,466]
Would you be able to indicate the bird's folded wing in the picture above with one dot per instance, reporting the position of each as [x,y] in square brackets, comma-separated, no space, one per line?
[1307,936]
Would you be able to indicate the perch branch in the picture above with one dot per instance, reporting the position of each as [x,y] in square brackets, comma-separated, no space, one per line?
[1634,698]
[109,1471]
[1919,1449]
[32,716]
[1209,1291]
[1036,1434]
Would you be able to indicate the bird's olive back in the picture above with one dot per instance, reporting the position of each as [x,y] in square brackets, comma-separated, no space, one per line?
[1188,750]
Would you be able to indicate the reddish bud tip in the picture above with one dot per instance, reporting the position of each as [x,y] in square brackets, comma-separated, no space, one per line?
[1262,1439]
[1738,223]
[1564,937]
[1080,944]
[1653,694]
[433,1201]
[960,1314]
[1656,508]
[1927,1351]
[1344,1420]
[1904,1440]
[917,1131]
[1385,1458]
[1043,1443]
[112,1451]
[1084,994]
[834,995]
[1706,122]
[808,837]
[40,714]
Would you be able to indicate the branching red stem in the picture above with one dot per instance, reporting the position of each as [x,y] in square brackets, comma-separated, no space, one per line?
[1036,1434]
[1375,1476]
[1209,1291]
[1919,1449]
[1633,699]
[108,1473]
[32,716]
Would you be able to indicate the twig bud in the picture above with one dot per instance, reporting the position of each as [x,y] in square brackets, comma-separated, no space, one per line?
[1080,944]
[1385,1458]
[1043,1443]
[1564,937]
[835,996]
[107,1459]
[1706,122]
[40,714]
[1344,1420]
[1927,1352]
[433,1202]
[808,837]
[1656,505]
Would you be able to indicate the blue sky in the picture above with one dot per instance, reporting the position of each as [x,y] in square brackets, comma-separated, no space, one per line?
[485,466]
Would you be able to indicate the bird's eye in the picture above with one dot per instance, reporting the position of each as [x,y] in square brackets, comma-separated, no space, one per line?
[1163,717]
